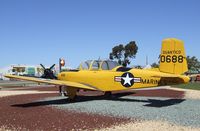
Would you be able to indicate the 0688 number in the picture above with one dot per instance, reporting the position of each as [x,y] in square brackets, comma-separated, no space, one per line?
[173,58]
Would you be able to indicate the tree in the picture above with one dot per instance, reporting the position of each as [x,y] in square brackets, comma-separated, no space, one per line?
[155,65]
[124,53]
[193,63]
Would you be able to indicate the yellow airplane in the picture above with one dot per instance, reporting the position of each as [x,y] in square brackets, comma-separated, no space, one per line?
[108,76]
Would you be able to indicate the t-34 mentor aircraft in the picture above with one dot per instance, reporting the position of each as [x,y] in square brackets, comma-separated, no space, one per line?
[108,76]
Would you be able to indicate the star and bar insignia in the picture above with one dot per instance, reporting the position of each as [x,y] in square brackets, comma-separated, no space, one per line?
[127,79]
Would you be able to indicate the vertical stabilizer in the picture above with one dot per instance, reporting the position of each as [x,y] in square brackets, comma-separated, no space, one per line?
[172,57]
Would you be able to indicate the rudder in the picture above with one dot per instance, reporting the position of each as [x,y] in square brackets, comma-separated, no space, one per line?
[173,58]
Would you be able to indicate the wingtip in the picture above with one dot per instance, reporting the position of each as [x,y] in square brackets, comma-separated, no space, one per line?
[8,75]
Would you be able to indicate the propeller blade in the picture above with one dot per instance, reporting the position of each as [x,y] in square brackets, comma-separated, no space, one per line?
[52,66]
[48,73]
[42,66]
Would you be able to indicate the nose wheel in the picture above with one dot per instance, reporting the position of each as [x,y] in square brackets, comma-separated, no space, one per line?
[62,91]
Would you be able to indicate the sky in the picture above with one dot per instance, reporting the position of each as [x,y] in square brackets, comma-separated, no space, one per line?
[42,31]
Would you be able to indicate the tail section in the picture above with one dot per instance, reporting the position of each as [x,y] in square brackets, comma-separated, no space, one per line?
[173,58]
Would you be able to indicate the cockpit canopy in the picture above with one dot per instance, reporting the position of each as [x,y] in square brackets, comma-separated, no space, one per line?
[98,65]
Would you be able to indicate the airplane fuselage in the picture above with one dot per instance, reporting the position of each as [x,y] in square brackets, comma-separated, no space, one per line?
[111,80]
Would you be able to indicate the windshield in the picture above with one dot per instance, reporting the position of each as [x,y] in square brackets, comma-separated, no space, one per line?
[86,65]
[112,64]
[98,65]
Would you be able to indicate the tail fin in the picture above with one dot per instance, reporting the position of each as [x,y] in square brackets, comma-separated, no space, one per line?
[173,58]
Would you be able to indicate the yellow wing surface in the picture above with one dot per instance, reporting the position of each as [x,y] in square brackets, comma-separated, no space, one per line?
[53,82]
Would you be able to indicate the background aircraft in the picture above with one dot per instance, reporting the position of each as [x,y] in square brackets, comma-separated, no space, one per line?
[108,76]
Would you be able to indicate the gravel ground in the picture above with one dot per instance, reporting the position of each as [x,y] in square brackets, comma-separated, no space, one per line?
[20,113]
[159,109]
[183,112]
[150,126]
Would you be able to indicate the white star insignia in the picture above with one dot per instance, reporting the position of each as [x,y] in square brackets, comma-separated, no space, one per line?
[127,80]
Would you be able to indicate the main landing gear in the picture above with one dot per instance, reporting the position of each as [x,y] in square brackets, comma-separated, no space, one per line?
[71,92]
[108,95]
[68,91]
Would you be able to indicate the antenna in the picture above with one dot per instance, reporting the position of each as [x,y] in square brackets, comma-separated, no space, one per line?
[147,62]
[99,58]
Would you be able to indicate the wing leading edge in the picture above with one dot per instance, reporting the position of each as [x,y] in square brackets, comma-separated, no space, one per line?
[53,82]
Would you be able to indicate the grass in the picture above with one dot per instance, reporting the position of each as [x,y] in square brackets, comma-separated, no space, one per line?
[193,86]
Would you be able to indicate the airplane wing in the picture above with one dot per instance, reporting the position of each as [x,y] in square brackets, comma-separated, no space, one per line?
[53,82]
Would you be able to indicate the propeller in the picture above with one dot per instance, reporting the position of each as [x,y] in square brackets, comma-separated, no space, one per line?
[48,72]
